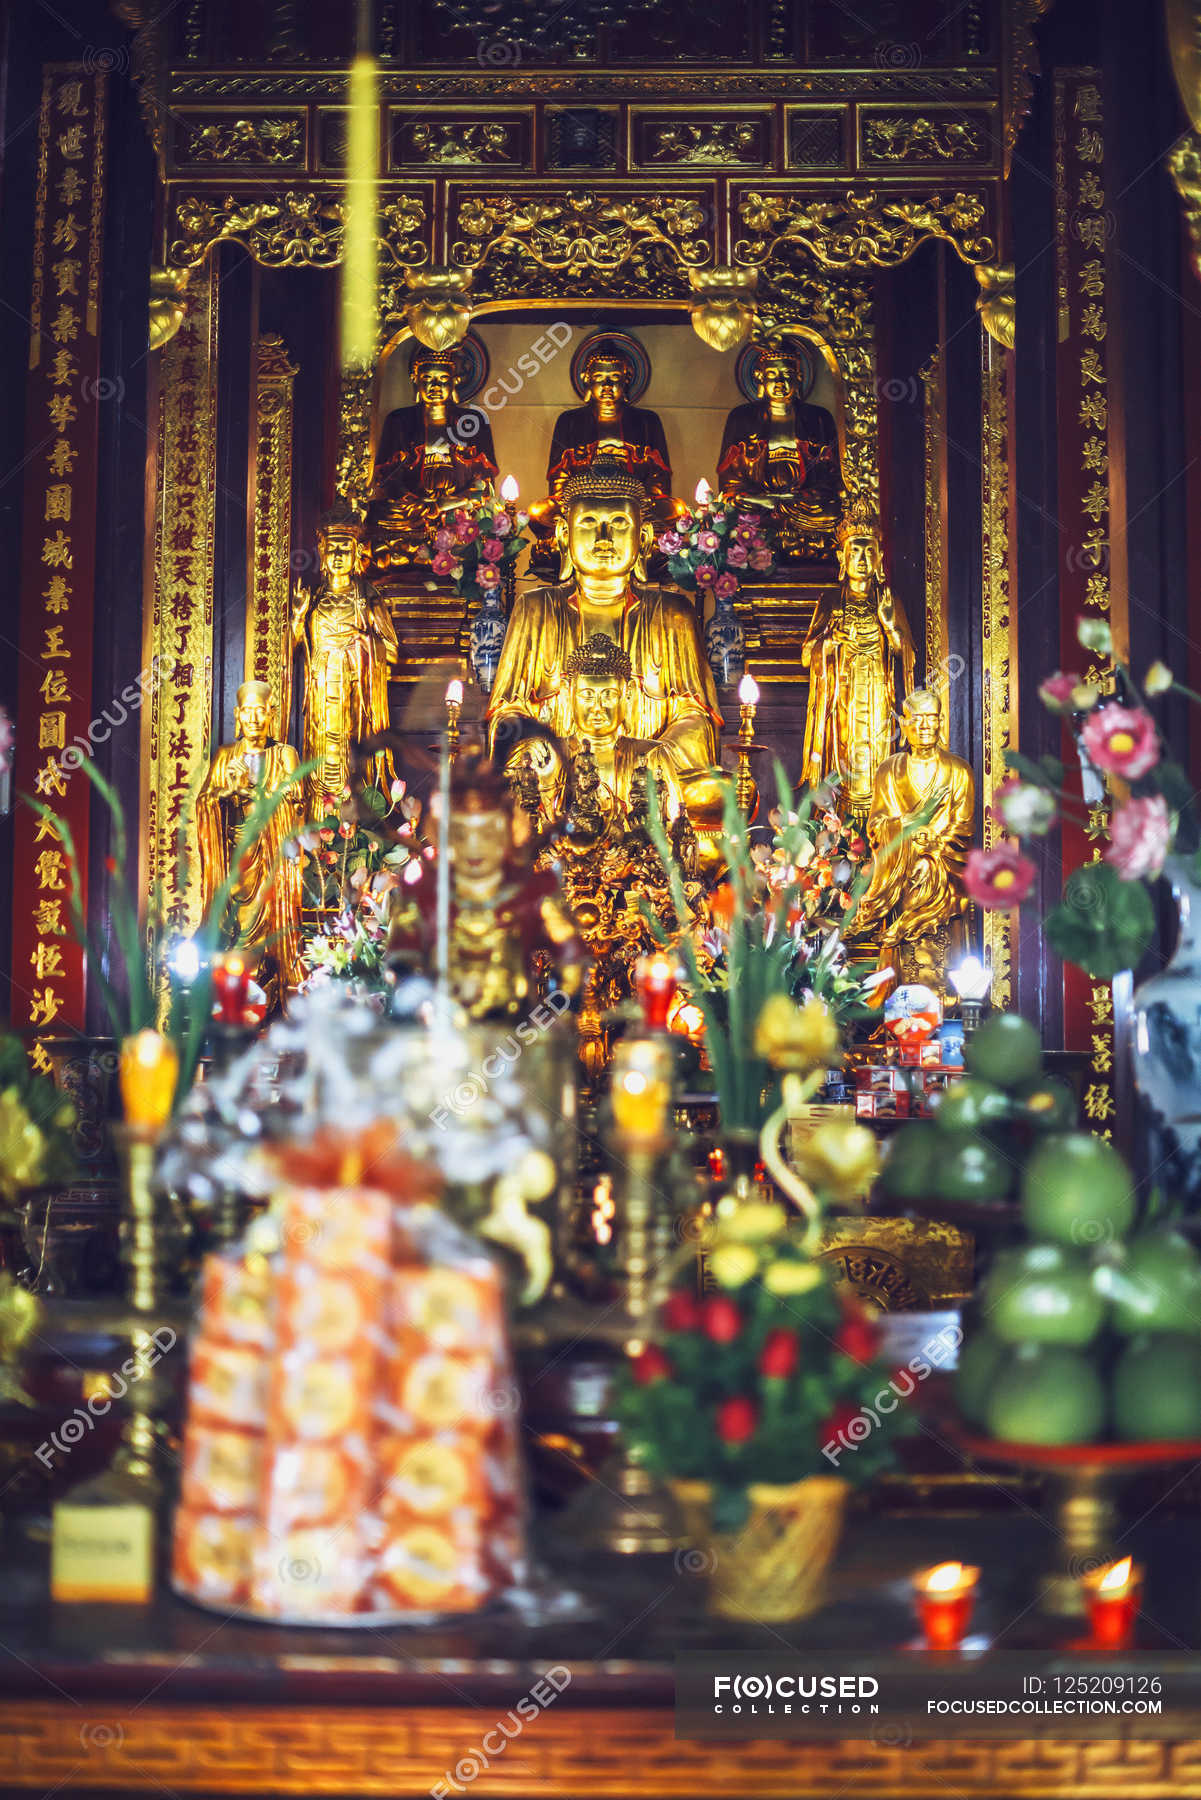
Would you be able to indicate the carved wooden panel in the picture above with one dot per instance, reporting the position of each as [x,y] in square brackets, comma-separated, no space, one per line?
[678,139]
[239,138]
[428,138]
[905,137]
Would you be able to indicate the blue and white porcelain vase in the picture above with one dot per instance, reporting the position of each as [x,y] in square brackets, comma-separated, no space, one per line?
[487,636]
[725,644]
[1167,1048]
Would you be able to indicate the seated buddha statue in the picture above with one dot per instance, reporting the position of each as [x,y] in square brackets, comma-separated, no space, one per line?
[427,462]
[919,827]
[670,703]
[606,427]
[780,449]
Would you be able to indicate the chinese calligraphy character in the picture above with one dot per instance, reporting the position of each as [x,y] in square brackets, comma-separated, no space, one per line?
[1091,192]
[1098,1102]
[1088,104]
[58,501]
[1092,322]
[1094,411]
[49,779]
[47,959]
[64,327]
[58,595]
[52,731]
[44,1006]
[50,866]
[1102,1054]
[62,410]
[62,456]
[1095,501]
[70,187]
[54,687]
[1089,147]
[70,143]
[56,551]
[54,642]
[48,918]
[1094,455]
[66,275]
[1092,279]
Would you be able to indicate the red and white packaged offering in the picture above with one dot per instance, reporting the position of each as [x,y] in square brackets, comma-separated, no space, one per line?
[352,1449]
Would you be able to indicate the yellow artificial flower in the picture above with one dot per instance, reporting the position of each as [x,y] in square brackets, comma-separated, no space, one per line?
[789,1036]
[751,1221]
[789,1277]
[732,1265]
[1158,678]
[839,1159]
[22,1146]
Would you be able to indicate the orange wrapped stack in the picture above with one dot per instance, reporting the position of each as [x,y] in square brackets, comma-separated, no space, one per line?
[351,1447]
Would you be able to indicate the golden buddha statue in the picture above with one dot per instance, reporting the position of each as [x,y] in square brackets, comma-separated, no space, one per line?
[264,913]
[670,703]
[431,456]
[347,641]
[780,448]
[920,826]
[607,428]
[857,631]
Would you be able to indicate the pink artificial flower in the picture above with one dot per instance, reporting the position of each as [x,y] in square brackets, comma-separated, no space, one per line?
[736,555]
[706,540]
[397,791]
[492,549]
[998,880]
[1121,739]
[1057,690]
[443,563]
[1140,835]
[670,542]
[1023,807]
[6,741]
[725,585]
[466,530]
[488,575]
[346,829]
[706,575]
[760,559]
[442,539]
[502,525]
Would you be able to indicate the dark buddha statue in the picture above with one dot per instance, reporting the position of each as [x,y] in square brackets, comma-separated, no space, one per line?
[608,427]
[781,449]
[431,457]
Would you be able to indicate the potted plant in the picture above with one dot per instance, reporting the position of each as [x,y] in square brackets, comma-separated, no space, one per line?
[762,1403]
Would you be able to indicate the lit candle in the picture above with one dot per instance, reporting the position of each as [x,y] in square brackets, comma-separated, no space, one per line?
[509,490]
[231,985]
[147,1071]
[1111,1595]
[704,493]
[656,978]
[945,1597]
[748,700]
[641,1093]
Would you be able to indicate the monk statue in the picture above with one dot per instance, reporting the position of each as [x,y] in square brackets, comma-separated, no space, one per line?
[781,449]
[347,643]
[607,428]
[264,909]
[431,456]
[857,631]
[668,703]
[919,827]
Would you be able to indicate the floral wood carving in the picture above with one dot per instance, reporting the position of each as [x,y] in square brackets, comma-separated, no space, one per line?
[583,232]
[859,231]
[291,230]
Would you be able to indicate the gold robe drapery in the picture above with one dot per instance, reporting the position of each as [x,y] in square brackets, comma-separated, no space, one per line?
[916,885]
[672,701]
[348,643]
[852,690]
[267,894]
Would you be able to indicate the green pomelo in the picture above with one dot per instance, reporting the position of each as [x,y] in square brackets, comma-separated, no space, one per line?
[1047,1396]
[1042,1295]
[1048,1104]
[980,1360]
[1155,1286]
[971,1104]
[1157,1389]
[1076,1189]
[1006,1049]
[969,1169]
[908,1168]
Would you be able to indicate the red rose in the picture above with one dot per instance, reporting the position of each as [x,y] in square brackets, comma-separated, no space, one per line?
[780,1354]
[720,1319]
[858,1337]
[682,1312]
[838,1423]
[736,1420]
[650,1365]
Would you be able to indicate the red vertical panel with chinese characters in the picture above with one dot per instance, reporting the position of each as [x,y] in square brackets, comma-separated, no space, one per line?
[64,393]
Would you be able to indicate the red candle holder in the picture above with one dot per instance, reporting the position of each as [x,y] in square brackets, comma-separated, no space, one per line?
[231,988]
[1111,1598]
[656,978]
[945,1597]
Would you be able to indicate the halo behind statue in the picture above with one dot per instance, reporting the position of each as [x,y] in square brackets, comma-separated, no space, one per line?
[748,356]
[623,344]
[471,365]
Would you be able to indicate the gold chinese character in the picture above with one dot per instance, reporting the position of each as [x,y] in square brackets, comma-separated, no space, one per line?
[54,687]
[1100,1002]
[64,326]
[54,642]
[1096,591]
[52,731]
[49,779]
[66,276]
[48,918]
[62,456]
[1092,279]
[1094,411]
[58,501]
[69,99]
[70,187]
[66,232]
[1098,1102]
[47,959]
[39,1056]
[1102,1053]
[1090,366]
[1092,322]
[1093,454]
[62,410]
[1087,105]
[1089,228]
[44,1006]
[50,866]
[56,551]
[70,143]
[58,595]
[1091,193]
[46,828]
[1095,501]
[1089,147]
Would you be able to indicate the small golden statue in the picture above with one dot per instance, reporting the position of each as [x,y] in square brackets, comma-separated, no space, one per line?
[266,895]
[431,457]
[347,642]
[607,428]
[920,827]
[857,631]
[782,449]
[512,936]
[670,703]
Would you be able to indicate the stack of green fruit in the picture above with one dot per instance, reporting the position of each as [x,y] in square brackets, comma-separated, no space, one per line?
[973,1149]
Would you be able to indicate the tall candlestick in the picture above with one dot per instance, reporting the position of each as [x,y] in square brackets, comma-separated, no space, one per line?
[454,706]
[748,698]
[443,889]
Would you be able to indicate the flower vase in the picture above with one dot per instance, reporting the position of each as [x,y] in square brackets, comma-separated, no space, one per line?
[1167,1046]
[774,1569]
[725,644]
[486,637]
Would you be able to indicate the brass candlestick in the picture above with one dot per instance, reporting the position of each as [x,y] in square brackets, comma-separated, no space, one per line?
[748,696]
[454,706]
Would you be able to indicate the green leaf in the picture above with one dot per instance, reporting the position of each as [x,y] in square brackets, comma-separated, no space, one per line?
[1103,924]
[1174,784]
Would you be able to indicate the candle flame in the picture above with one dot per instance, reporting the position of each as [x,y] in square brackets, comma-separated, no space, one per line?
[454,692]
[945,1577]
[235,966]
[1116,1576]
[748,690]
[634,1081]
[509,490]
[704,493]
